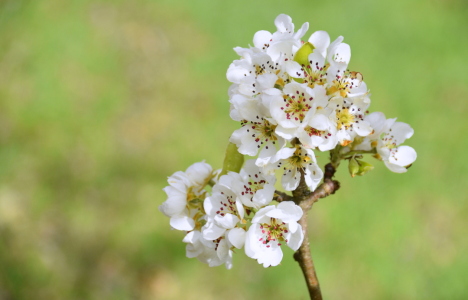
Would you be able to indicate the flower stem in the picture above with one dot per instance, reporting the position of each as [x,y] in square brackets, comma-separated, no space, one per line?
[304,258]
[305,199]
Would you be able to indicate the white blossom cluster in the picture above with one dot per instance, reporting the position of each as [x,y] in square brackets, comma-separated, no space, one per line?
[237,213]
[284,89]
[291,97]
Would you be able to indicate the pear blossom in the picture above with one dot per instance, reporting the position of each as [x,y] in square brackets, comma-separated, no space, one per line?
[318,132]
[185,196]
[348,115]
[271,227]
[257,188]
[291,98]
[255,136]
[293,161]
[386,138]
[211,252]
[223,208]
[282,42]
[298,104]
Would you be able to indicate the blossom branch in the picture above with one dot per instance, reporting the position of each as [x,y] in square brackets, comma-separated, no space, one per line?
[305,199]
[304,258]
[327,188]
[282,196]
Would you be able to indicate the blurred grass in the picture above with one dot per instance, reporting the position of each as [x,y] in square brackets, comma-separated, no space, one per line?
[100,101]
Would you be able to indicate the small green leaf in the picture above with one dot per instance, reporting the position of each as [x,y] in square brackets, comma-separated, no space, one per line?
[364,167]
[233,160]
[302,55]
[353,167]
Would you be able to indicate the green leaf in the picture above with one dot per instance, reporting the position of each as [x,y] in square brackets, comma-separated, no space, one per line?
[302,55]
[233,160]
[353,167]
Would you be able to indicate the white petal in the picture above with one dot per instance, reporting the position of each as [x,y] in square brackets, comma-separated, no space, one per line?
[401,131]
[296,239]
[236,237]
[227,221]
[321,41]
[404,156]
[395,168]
[362,128]
[284,23]
[286,211]
[199,172]
[212,231]
[183,223]
[271,257]
[283,154]
[290,179]
[313,175]
[294,69]
[260,216]
[261,38]
[264,196]
[287,133]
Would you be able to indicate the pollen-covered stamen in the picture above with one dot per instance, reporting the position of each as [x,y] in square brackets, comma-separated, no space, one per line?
[274,232]
[298,160]
[227,206]
[255,183]
[262,131]
[389,140]
[344,118]
[343,84]
[314,74]
[311,131]
[347,116]
[296,106]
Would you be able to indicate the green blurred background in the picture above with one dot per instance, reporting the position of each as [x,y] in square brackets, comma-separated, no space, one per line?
[100,101]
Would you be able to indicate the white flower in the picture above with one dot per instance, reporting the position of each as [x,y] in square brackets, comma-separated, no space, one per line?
[293,161]
[258,135]
[386,138]
[185,196]
[223,208]
[298,104]
[348,115]
[271,227]
[319,131]
[211,252]
[282,42]
[314,72]
[256,189]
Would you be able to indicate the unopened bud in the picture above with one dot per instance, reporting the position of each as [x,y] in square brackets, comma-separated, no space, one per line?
[359,167]
[364,167]
[353,167]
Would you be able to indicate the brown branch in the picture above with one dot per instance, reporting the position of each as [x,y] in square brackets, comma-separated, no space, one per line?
[281,196]
[305,199]
[304,258]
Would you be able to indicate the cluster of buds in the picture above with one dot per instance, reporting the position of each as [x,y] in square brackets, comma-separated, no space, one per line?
[292,98]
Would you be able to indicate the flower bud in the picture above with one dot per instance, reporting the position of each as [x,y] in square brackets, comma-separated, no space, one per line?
[359,167]
[364,167]
[353,167]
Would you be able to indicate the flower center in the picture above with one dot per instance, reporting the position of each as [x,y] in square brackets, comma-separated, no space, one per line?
[314,74]
[314,131]
[297,160]
[296,106]
[344,118]
[227,206]
[273,232]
